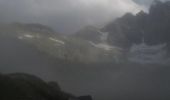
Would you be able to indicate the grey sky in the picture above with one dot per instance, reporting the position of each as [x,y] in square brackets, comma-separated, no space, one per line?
[146,3]
[66,16]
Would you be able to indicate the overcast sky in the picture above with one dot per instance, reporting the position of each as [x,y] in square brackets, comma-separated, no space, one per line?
[67,16]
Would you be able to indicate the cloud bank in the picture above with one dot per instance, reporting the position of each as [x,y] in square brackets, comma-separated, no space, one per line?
[65,16]
[146,3]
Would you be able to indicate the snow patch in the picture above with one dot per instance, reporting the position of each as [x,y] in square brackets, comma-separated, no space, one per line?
[144,54]
[26,36]
[104,46]
[55,40]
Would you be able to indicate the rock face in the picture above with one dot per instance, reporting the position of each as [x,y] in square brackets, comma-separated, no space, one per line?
[99,40]
[153,26]
[28,87]
[129,31]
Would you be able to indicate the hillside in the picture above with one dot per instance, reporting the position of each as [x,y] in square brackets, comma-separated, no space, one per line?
[144,33]
[70,48]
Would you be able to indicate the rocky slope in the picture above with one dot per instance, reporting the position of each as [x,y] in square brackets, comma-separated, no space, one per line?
[69,48]
[28,87]
[143,37]
[152,26]
[143,30]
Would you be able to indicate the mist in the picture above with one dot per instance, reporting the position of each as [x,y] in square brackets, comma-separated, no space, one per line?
[124,52]
[66,16]
[101,81]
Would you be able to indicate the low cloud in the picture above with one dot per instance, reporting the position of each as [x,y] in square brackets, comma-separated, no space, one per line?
[146,3]
[66,16]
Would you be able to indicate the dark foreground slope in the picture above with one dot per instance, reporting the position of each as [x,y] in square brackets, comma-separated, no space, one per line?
[28,87]
[130,83]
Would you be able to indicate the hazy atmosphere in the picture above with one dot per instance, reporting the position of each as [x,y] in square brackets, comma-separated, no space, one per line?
[67,16]
[84,49]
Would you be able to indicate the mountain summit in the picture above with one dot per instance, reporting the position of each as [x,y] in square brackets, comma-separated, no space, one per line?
[130,30]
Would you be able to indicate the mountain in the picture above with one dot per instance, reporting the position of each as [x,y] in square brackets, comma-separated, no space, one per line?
[145,34]
[67,48]
[152,26]
[121,40]
[99,39]
[151,29]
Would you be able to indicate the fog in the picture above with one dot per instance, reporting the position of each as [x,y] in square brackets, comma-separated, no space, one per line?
[66,16]
[101,80]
